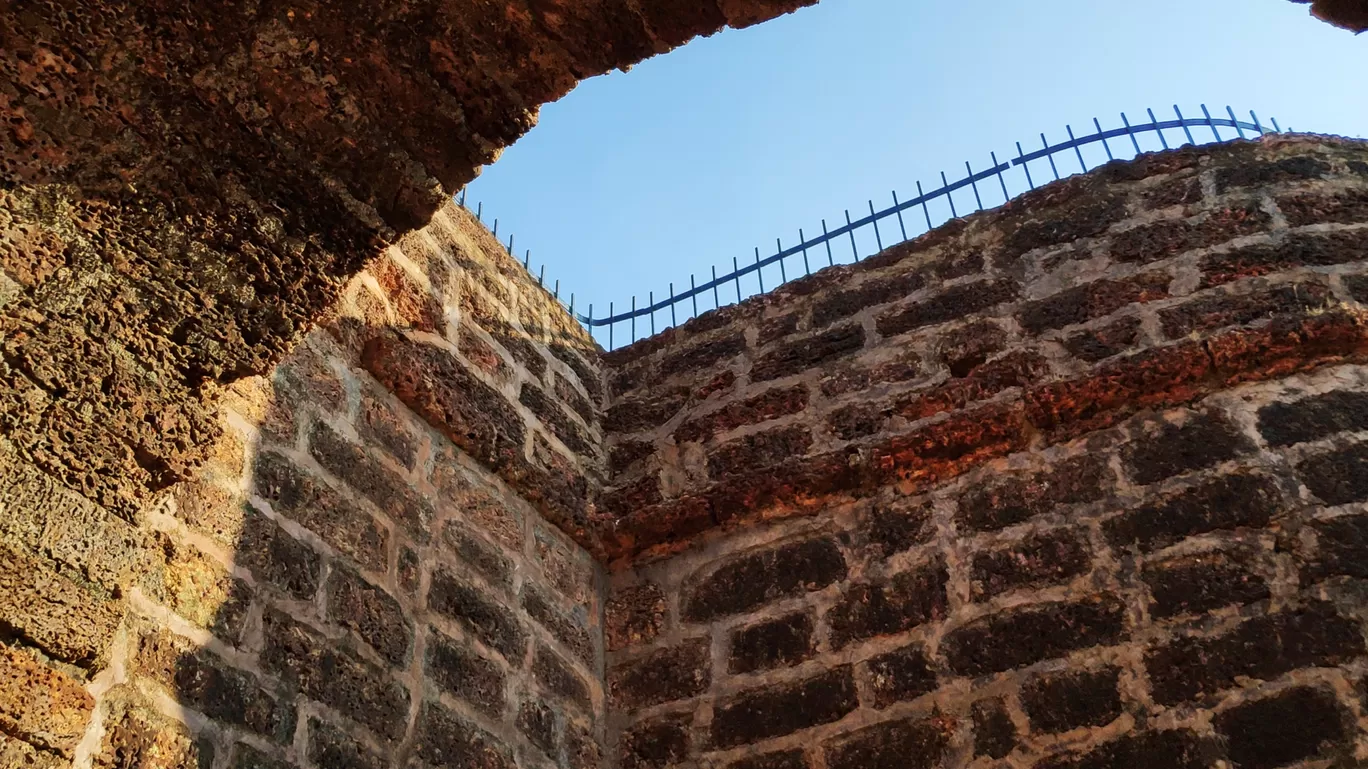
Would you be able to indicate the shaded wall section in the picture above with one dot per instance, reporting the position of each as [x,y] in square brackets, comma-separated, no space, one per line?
[1074,483]
[369,571]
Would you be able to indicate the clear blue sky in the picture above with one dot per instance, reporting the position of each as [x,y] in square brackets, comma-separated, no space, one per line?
[637,179]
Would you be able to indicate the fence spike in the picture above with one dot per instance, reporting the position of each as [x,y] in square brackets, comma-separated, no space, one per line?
[673,320]
[736,275]
[945,187]
[610,326]
[1025,166]
[634,316]
[826,238]
[1049,156]
[972,183]
[898,207]
[1131,133]
[1078,150]
[759,271]
[926,210]
[783,273]
[1154,121]
[1006,196]
[854,250]
[1235,122]
[803,243]
[693,294]
[1275,125]
[1186,131]
[1212,124]
[878,238]
[495,233]
[1257,124]
[479,210]
[650,305]
[717,303]
[556,294]
[1098,125]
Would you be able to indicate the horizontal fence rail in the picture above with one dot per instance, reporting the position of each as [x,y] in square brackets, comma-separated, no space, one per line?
[831,247]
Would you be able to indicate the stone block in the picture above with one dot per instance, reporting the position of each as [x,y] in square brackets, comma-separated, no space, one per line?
[136,736]
[751,580]
[1161,450]
[875,290]
[326,671]
[460,670]
[1059,702]
[1039,560]
[656,744]
[383,486]
[900,603]
[372,613]
[634,616]
[665,675]
[784,759]
[537,722]
[1341,548]
[904,744]
[569,630]
[1300,249]
[555,419]
[1001,503]
[1291,169]
[296,495]
[41,606]
[558,678]
[1191,668]
[458,539]
[768,405]
[1098,344]
[1337,477]
[1294,725]
[1092,300]
[387,425]
[1212,312]
[442,738]
[951,304]
[776,643]
[492,623]
[994,733]
[1161,240]
[901,675]
[1314,417]
[1038,632]
[1228,502]
[758,450]
[779,709]
[808,353]
[275,557]
[333,746]
[702,355]
[1173,749]
[42,706]
[1200,583]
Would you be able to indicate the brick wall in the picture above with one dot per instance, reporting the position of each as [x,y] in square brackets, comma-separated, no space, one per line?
[371,570]
[1076,483]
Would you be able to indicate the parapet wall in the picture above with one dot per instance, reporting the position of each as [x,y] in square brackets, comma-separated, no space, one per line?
[1074,483]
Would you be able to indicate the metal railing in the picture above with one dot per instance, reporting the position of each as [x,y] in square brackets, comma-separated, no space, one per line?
[999,176]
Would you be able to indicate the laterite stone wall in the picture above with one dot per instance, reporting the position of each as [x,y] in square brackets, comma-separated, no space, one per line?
[1080,482]
[371,570]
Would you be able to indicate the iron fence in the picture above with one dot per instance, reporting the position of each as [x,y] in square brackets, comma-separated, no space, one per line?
[999,176]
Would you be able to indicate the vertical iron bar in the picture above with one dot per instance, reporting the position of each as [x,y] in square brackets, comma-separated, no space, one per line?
[610,326]
[977,199]
[495,233]
[510,248]
[1211,124]
[1025,166]
[572,302]
[1001,180]
[1077,149]
[1238,129]
[693,294]
[759,273]
[926,210]
[1257,124]
[673,321]
[479,210]
[463,193]
[717,303]
[1276,127]
[878,239]
[633,320]
[1049,156]
[803,242]
[826,238]
[1155,122]
[946,183]
[1183,120]
[736,277]
[898,207]
[556,294]
[650,304]
[783,273]
[854,250]
[1131,133]
[1105,145]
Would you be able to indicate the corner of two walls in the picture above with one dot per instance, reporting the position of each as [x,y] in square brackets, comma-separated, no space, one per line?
[369,572]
